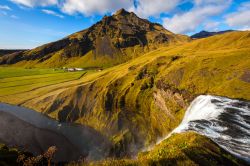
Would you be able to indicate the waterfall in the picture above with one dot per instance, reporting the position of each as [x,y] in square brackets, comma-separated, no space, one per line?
[225,121]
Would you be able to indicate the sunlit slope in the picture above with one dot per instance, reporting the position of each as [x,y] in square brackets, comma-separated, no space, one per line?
[145,98]
[189,149]
[111,41]
[229,40]
[180,149]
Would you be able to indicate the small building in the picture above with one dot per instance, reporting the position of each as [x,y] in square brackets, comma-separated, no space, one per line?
[71,69]
[79,69]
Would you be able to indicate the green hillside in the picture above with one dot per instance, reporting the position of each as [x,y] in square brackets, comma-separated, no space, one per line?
[180,149]
[138,101]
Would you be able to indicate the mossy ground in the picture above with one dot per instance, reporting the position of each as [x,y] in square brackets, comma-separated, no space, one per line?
[180,149]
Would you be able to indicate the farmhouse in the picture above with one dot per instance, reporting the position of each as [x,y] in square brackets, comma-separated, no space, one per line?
[73,69]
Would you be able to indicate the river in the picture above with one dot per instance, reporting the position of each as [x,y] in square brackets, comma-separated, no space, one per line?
[32,131]
[225,121]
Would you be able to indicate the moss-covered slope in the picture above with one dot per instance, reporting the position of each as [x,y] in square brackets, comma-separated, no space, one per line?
[137,102]
[180,149]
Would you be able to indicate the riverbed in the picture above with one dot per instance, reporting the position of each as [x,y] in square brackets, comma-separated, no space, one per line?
[34,132]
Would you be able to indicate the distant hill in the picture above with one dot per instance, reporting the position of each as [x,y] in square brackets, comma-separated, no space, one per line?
[110,41]
[204,34]
[8,51]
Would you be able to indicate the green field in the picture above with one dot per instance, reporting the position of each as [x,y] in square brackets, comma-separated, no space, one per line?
[8,72]
[14,81]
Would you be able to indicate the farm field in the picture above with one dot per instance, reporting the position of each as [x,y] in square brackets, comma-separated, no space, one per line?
[14,80]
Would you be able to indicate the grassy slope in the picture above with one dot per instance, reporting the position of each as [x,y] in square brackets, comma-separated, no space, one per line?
[180,149]
[18,80]
[136,102]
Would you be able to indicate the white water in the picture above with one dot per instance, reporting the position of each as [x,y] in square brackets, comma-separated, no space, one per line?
[225,121]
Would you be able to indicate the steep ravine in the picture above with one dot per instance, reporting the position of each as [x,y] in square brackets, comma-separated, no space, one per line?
[223,120]
[135,104]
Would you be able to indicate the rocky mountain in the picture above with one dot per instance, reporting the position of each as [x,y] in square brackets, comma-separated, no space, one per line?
[114,39]
[204,34]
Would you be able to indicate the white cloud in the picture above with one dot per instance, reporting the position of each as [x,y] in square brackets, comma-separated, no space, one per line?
[180,22]
[211,26]
[241,18]
[14,17]
[210,2]
[189,21]
[50,12]
[33,3]
[89,7]
[4,7]
[3,13]
[146,8]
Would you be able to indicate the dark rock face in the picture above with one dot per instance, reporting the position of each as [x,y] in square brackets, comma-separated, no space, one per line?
[11,58]
[6,51]
[204,34]
[108,37]
[246,76]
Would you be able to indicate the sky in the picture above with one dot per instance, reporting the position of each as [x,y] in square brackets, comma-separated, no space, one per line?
[26,24]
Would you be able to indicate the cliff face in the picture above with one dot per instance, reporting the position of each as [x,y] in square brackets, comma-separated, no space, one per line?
[116,37]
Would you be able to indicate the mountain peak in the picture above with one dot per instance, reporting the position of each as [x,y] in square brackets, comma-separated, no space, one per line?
[204,34]
[122,11]
[113,37]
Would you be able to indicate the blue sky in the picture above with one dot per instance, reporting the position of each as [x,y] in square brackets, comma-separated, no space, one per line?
[30,23]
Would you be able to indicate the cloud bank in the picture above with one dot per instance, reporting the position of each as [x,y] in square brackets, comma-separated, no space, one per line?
[51,12]
[146,8]
[4,7]
[199,15]
[241,18]
[189,21]
[89,7]
[33,3]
